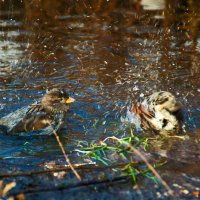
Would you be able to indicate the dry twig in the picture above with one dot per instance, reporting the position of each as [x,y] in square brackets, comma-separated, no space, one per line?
[139,154]
[5,189]
[65,155]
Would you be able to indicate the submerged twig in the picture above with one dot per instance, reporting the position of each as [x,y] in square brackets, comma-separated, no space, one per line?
[70,186]
[64,153]
[91,166]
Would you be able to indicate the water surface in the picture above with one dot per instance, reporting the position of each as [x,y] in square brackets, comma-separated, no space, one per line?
[111,53]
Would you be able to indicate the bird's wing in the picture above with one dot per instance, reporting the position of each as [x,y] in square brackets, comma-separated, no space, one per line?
[35,107]
[140,110]
[144,114]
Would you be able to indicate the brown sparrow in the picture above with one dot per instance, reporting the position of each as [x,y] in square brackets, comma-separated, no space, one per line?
[50,110]
[159,111]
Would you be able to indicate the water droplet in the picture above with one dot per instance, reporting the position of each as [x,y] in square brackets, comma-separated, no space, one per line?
[141,95]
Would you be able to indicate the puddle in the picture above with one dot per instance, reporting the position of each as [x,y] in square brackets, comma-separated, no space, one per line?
[110,53]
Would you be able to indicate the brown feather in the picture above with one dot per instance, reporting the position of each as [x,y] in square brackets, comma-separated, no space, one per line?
[140,111]
[35,108]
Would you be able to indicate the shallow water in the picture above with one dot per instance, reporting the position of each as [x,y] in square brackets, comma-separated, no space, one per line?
[110,53]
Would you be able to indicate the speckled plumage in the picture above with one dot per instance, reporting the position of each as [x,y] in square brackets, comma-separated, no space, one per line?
[158,112]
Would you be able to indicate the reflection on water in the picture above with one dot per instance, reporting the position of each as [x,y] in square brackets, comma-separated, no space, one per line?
[112,51]
[153,5]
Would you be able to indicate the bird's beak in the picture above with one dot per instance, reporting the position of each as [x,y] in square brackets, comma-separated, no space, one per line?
[69,100]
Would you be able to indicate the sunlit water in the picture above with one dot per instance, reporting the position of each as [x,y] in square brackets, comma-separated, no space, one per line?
[107,57]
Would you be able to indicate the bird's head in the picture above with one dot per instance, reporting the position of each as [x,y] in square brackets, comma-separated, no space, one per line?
[56,100]
[165,101]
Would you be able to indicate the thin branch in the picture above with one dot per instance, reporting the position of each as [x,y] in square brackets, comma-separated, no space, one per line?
[7,188]
[65,155]
[139,154]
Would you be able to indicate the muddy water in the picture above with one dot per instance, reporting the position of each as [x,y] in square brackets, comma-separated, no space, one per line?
[107,54]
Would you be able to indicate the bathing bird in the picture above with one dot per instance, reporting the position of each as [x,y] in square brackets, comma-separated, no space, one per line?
[50,110]
[158,112]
